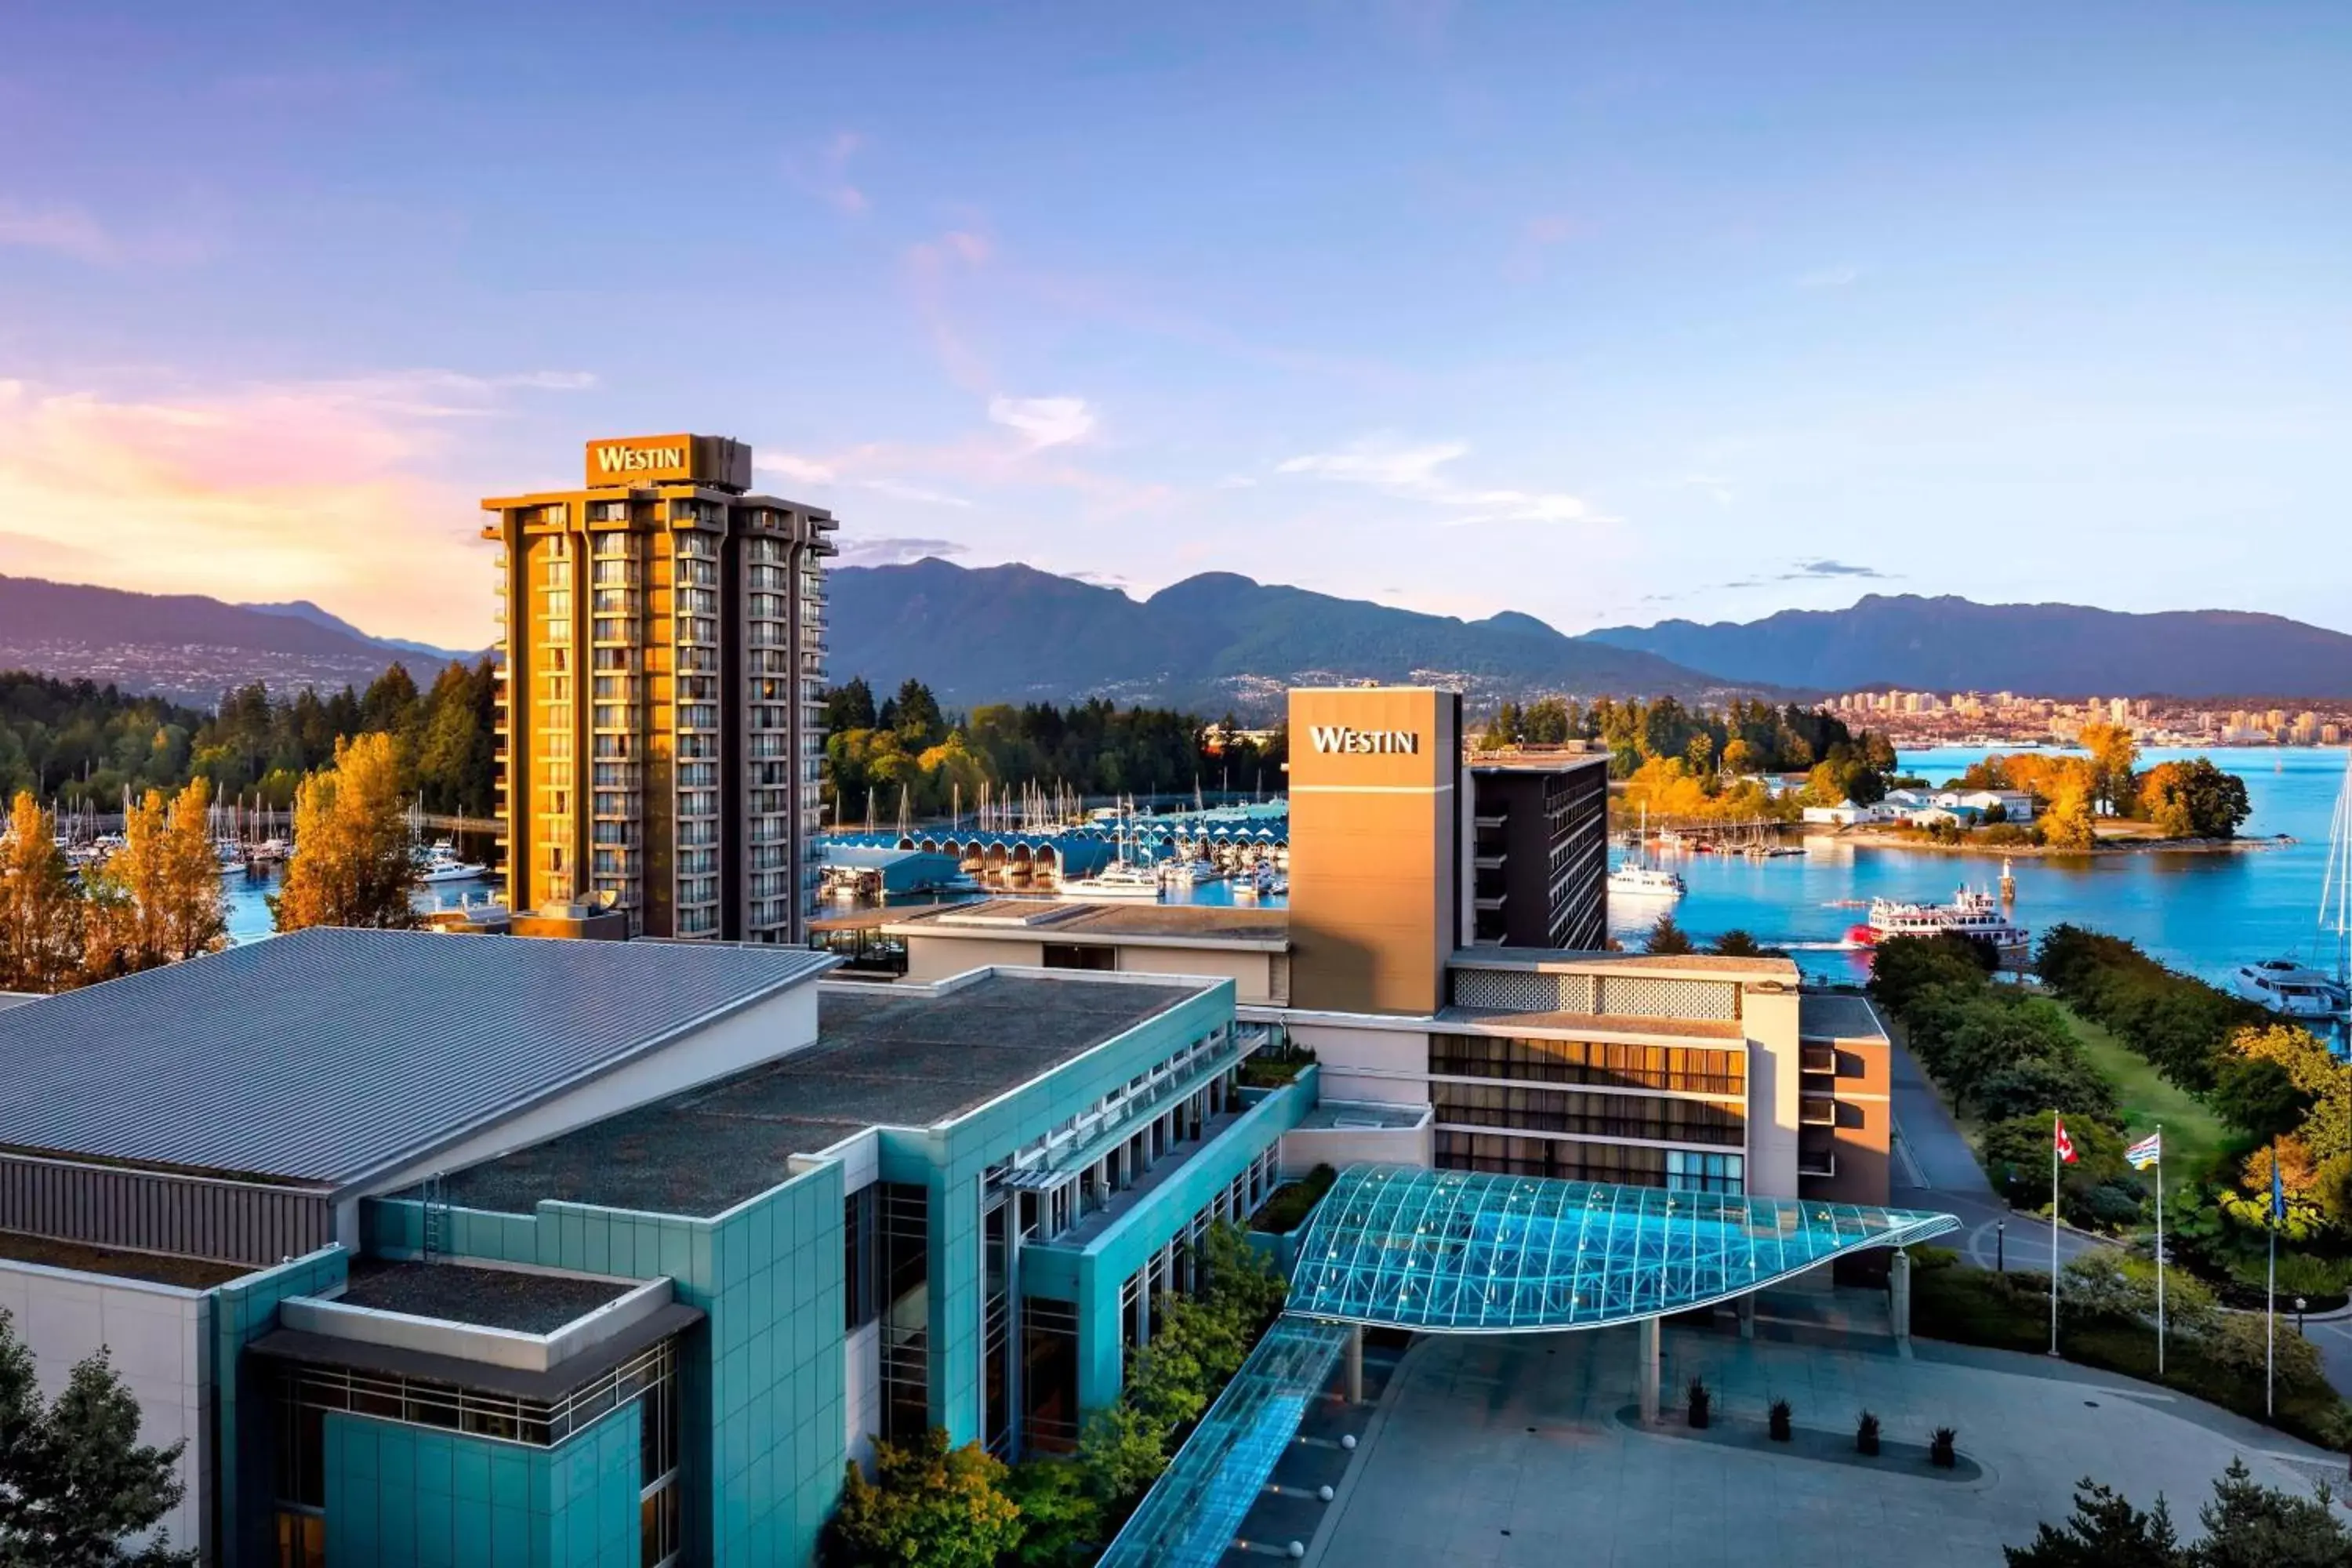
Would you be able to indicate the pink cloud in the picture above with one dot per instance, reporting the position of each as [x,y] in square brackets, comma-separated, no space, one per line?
[318,490]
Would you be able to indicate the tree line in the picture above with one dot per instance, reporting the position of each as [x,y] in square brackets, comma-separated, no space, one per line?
[2191,799]
[76,742]
[907,743]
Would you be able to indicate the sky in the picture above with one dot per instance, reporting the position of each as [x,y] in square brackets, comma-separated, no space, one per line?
[1603,313]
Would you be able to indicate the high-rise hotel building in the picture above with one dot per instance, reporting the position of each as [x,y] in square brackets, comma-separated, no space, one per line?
[659,726]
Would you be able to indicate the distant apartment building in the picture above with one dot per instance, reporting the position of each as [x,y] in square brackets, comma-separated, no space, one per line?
[659,726]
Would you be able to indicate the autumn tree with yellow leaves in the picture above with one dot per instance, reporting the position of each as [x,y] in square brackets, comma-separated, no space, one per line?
[351,865]
[158,899]
[40,912]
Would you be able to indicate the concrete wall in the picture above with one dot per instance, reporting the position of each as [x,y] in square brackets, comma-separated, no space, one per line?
[1374,836]
[160,1340]
[861,1386]
[1384,1066]
[1341,1147]
[931,958]
[1251,972]
[1774,1079]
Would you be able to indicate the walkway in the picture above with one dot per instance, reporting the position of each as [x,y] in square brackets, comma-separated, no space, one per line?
[1509,1450]
[1935,1169]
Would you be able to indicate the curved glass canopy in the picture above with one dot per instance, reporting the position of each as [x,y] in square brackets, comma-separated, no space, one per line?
[1469,1252]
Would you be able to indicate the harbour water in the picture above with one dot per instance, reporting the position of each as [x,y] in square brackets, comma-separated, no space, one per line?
[2204,911]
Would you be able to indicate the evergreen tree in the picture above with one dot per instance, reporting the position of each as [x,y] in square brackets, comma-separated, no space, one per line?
[1667,937]
[2104,1531]
[351,865]
[74,1477]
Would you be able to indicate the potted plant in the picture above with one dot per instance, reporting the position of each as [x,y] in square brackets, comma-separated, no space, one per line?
[1865,1433]
[1941,1453]
[1781,1430]
[1701,1403]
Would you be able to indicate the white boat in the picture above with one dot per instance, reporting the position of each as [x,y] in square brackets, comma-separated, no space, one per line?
[440,864]
[1120,880]
[2287,985]
[1637,878]
[1645,882]
[2289,988]
[1190,873]
[1973,913]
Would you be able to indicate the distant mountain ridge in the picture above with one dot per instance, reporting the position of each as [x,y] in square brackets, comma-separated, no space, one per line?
[2049,650]
[184,646]
[316,615]
[1013,633]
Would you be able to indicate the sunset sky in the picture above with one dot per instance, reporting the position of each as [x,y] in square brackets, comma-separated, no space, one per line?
[1605,313]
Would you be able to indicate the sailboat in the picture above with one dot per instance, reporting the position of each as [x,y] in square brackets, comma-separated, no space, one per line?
[2320,990]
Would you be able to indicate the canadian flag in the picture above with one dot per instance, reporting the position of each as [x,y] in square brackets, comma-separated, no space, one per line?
[2064,1145]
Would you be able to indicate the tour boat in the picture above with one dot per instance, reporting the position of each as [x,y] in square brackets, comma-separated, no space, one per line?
[1645,882]
[1637,878]
[1972,913]
[1190,873]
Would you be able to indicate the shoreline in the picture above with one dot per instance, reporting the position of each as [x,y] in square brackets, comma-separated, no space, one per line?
[2044,852]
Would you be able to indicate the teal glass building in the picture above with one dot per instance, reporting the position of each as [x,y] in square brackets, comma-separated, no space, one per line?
[488,1251]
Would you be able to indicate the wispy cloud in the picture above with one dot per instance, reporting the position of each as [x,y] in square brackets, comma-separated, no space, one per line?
[1718,490]
[896,551]
[1415,471]
[1842,276]
[65,230]
[913,492]
[824,173]
[1043,421]
[261,490]
[1828,569]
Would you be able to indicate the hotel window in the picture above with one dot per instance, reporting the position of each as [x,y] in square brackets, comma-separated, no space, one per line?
[1588,1115]
[1600,1066]
[1625,1164]
[906,1306]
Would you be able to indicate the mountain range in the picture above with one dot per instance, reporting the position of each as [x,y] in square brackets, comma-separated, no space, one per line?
[2049,650]
[1218,640]
[186,646]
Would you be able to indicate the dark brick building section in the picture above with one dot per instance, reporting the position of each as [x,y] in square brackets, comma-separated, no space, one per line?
[1541,852]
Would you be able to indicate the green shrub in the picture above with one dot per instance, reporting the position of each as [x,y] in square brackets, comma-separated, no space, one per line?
[1286,1208]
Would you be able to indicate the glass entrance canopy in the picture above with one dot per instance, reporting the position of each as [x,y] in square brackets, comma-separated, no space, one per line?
[1469,1252]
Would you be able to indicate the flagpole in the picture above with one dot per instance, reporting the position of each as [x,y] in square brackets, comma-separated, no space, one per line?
[2054,1125]
[2159,1252]
[2270,1315]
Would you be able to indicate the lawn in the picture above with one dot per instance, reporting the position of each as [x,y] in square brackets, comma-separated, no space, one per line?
[2193,1135]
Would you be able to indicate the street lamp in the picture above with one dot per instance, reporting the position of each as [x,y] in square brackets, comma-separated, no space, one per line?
[1999,1240]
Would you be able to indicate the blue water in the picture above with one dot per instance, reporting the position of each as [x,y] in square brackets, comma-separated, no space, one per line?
[248,910]
[2203,912]
[2206,914]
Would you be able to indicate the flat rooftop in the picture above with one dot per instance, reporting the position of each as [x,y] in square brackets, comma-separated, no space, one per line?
[153,1268]
[320,1057]
[1836,1016]
[488,1298]
[885,1055]
[1074,920]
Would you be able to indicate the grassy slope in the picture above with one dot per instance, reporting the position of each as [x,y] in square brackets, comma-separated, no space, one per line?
[2193,1135]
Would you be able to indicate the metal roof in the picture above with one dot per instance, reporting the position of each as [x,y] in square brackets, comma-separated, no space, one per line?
[1471,1252]
[322,1056]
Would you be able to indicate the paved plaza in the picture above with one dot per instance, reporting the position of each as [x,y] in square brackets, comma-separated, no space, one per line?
[1511,1450]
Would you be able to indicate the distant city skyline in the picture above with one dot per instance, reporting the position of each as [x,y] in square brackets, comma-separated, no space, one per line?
[1595,314]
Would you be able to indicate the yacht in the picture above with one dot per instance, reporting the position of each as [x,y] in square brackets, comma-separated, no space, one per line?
[1190,873]
[1120,880]
[440,864]
[1645,882]
[2295,990]
[1972,913]
[1261,882]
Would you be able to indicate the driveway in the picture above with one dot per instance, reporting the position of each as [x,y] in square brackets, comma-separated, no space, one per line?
[1935,1169]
